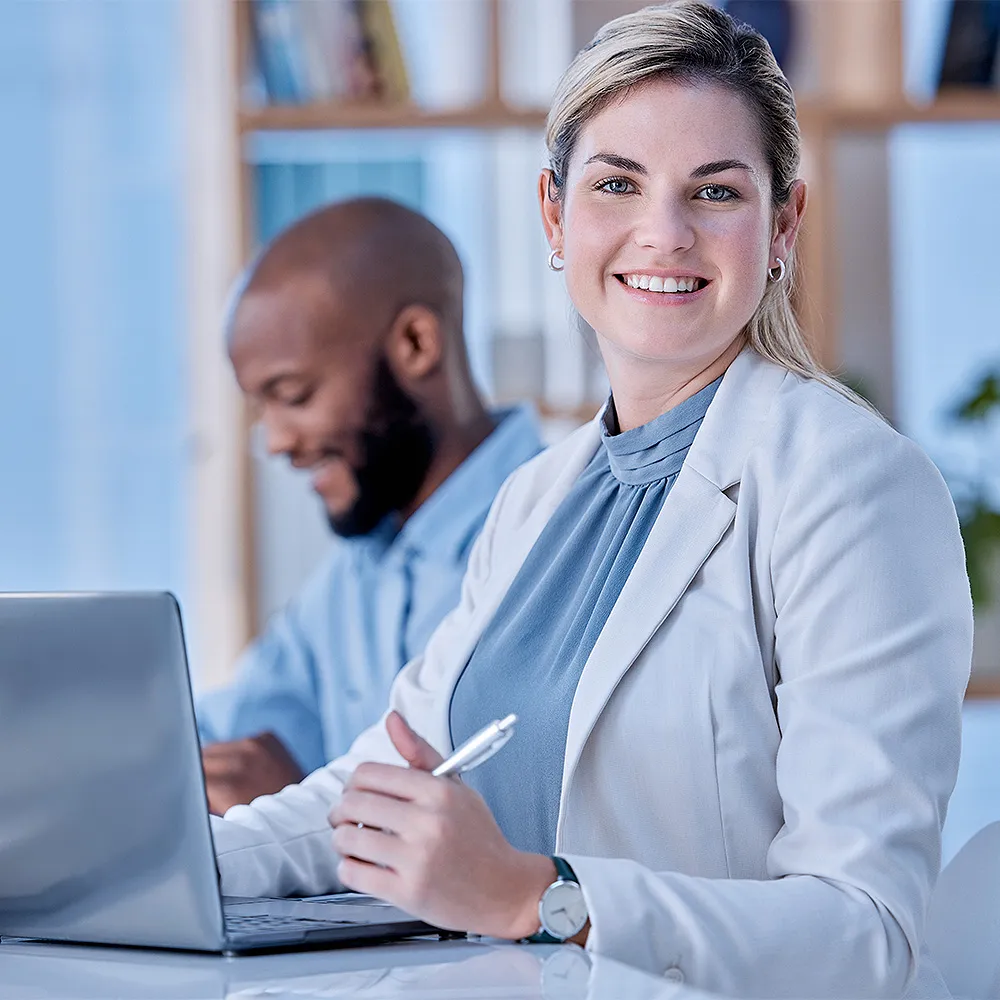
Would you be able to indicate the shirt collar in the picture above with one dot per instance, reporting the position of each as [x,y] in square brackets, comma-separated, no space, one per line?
[657,449]
[448,520]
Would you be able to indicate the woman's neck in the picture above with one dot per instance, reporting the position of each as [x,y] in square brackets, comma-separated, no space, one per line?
[643,390]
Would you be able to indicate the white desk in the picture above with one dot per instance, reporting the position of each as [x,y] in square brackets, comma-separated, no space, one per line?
[414,970]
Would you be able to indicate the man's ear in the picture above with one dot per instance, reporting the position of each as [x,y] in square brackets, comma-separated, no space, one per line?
[551,210]
[415,345]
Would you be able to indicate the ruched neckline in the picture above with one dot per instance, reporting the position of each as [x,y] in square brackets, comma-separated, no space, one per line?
[655,450]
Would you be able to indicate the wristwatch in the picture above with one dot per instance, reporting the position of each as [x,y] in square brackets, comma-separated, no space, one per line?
[562,910]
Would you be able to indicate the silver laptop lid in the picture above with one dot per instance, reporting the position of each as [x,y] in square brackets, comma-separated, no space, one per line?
[104,833]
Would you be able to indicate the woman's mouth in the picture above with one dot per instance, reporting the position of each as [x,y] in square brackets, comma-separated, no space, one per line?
[680,285]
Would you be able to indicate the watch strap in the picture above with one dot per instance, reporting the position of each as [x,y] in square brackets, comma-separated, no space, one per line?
[563,870]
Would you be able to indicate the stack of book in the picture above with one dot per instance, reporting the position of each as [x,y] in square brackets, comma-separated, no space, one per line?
[315,51]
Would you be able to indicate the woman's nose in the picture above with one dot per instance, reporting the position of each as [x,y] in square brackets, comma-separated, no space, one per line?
[666,225]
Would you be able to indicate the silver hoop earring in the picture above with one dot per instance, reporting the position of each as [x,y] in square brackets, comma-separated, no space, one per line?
[553,257]
[780,268]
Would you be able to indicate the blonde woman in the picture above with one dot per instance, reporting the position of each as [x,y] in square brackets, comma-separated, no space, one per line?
[731,612]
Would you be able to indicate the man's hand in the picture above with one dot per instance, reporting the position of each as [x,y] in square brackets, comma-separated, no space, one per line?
[239,771]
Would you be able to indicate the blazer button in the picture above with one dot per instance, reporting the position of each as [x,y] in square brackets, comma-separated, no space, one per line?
[673,975]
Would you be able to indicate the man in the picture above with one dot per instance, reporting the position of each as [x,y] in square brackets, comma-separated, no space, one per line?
[347,338]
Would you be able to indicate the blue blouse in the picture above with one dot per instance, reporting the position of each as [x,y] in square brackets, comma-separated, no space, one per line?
[530,657]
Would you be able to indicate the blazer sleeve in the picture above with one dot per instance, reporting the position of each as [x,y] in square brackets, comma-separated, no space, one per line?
[280,845]
[873,643]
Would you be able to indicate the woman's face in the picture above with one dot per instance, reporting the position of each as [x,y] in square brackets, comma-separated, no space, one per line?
[666,224]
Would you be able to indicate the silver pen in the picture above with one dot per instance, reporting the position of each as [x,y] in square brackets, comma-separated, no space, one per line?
[479,748]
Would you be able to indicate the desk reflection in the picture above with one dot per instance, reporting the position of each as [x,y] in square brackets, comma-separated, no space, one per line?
[414,970]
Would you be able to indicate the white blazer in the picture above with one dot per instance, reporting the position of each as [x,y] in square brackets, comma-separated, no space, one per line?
[764,739]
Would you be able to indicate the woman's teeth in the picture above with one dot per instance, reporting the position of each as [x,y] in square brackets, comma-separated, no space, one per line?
[654,283]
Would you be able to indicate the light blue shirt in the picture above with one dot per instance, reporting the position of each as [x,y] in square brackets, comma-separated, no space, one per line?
[532,653]
[321,671]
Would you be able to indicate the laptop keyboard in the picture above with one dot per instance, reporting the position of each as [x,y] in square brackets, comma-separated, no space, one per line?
[254,923]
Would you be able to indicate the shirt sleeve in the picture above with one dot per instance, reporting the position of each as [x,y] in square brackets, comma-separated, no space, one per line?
[276,687]
[873,641]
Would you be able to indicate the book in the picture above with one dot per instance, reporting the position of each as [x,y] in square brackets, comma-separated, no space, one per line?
[277,40]
[321,72]
[340,40]
[385,54]
[970,52]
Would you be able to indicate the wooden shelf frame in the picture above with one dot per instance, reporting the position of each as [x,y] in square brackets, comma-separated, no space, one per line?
[490,115]
[958,106]
[983,686]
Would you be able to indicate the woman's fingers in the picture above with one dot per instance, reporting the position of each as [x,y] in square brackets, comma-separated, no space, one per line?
[413,748]
[376,847]
[369,879]
[370,809]
[407,784]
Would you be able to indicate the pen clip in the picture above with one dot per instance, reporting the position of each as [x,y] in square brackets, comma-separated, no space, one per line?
[502,736]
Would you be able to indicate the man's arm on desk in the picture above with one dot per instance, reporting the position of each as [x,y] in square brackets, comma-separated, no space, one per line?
[240,770]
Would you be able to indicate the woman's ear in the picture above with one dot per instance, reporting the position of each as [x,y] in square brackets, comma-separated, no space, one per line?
[415,345]
[787,223]
[551,210]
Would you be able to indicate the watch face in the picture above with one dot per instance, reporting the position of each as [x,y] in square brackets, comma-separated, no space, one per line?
[563,910]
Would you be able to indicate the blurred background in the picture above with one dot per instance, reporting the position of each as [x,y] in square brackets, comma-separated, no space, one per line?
[152,145]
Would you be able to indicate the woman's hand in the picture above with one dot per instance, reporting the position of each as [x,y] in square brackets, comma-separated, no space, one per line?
[431,846]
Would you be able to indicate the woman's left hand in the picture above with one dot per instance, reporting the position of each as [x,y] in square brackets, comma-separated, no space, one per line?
[431,846]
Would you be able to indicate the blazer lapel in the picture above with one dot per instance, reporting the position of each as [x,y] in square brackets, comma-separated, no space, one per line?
[695,516]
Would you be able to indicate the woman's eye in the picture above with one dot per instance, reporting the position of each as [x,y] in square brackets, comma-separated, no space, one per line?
[615,185]
[716,192]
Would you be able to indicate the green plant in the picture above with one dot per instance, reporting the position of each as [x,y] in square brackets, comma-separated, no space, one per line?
[975,495]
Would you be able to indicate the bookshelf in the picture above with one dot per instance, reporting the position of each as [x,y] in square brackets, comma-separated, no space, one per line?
[849,83]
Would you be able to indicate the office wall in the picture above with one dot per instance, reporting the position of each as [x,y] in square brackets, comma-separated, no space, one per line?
[94,453]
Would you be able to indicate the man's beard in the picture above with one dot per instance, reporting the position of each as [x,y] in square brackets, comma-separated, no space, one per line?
[397,448]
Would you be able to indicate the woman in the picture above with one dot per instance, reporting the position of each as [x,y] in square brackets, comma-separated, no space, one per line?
[731,612]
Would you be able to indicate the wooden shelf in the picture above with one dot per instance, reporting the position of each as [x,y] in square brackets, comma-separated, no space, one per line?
[983,687]
[956,106]
[368,114]
[966,105]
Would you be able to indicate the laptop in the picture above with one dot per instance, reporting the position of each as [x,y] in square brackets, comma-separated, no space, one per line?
[104,829]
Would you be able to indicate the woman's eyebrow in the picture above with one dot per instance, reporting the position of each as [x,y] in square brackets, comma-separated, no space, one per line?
[621,162]
[720,166]
[634,167]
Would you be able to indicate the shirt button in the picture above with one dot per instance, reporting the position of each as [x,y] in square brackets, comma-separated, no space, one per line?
[673,975]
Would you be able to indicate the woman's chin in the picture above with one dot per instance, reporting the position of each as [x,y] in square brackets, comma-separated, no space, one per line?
[653,347]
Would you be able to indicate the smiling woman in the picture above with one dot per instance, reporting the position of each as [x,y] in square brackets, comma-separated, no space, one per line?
[731,613]
[686,222]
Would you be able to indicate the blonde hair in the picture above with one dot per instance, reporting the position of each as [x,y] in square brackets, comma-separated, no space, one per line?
[693,42]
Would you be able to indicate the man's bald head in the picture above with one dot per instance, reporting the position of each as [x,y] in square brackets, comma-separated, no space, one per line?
[375,257]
